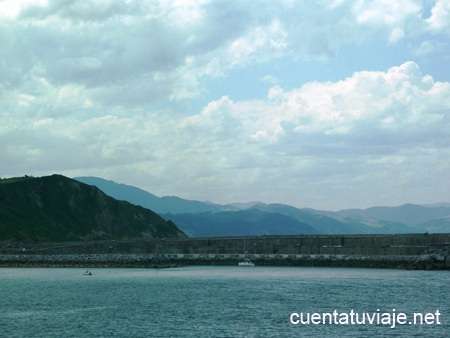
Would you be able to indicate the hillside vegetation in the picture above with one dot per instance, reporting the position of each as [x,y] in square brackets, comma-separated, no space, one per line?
[57,208]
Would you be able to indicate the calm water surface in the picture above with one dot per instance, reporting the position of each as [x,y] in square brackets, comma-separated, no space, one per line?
[215,301]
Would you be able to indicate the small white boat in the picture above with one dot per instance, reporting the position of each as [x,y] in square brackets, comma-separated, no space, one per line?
[87,273]
[246,262]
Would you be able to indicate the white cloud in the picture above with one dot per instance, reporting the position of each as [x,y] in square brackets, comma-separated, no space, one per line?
[428,47]
[399,99]
[399,102]
[164,49]
[349,130]
[439,21]
[112,88]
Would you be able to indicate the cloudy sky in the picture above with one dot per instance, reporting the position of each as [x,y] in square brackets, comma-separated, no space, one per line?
[322,104]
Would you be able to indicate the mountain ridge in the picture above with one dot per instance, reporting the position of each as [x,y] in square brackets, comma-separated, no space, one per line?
[372,220]
[250,222]
[162,205]
[57,208]
[408,213]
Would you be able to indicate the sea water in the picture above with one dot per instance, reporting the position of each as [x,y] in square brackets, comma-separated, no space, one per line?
[223,302]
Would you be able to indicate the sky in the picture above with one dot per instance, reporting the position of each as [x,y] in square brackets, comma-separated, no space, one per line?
[323,104]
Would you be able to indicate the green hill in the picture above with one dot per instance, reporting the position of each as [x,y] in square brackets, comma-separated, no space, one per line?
[57,208]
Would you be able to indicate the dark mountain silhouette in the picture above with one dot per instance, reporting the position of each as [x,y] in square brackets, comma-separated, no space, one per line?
[57,208]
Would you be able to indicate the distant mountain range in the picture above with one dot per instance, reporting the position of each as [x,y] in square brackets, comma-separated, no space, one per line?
[409,214]
[201,219]
[251,222]
[160,205]
[57,208]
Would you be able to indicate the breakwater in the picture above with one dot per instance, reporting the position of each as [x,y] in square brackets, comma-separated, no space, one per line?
[417,251]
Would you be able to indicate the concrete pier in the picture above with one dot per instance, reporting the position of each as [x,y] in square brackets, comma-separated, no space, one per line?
[418,251]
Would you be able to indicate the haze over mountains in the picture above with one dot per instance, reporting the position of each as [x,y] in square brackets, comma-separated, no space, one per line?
[57,208]
[201,219]
[160,205]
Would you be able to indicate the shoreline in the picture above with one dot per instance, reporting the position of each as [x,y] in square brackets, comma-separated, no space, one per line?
[406,251]
[172,261]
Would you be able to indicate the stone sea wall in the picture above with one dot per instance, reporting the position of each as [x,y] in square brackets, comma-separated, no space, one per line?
[414,251]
